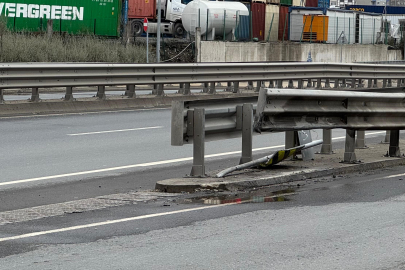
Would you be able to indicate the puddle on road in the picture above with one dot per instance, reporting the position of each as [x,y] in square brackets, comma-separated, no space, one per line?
[256,196]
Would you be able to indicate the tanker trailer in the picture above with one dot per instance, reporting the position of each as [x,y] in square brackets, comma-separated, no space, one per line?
[214,18]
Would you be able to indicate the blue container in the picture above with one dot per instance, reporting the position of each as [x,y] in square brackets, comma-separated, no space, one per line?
[325,4]
[242,31]
[377,9]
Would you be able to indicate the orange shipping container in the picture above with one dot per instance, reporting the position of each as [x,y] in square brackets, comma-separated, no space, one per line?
[139,9]
[315,28]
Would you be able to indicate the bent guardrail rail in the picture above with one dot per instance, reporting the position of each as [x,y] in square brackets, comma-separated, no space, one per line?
[289,109]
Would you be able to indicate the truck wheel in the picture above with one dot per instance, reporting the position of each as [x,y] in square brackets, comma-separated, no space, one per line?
[178,30]
[138,28]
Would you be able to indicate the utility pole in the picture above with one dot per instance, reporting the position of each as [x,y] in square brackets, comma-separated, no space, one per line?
[158,32]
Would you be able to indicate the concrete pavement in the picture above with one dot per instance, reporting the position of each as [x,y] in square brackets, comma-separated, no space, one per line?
[370,158]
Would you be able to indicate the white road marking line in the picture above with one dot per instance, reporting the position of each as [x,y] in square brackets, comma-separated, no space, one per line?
[109,222]
[112,131]
[392,176]
[147,164]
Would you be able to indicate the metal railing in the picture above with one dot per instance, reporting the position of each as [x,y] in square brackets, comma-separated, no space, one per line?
[70,75]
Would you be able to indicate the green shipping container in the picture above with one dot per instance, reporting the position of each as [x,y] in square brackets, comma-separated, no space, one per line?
[286,2]
[99,17]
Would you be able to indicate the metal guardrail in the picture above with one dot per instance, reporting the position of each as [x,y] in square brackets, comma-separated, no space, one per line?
[289,109]
[205,120]
[69,75]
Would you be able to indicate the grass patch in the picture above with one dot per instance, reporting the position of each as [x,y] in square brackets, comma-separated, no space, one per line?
[32,47]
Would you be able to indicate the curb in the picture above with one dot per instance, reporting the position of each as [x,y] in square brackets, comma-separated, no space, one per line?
[191,184]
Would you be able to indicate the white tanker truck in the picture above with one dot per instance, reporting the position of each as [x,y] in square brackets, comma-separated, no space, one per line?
[215,18]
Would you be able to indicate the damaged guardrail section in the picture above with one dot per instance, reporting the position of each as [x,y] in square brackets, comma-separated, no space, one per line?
[207,120]
[290,109]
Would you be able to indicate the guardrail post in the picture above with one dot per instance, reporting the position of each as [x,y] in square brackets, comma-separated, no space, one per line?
[271,84]
[327,83]
[343,83]
[154,90]
[289,139]
[318,84]
[198,168]
[205,89]
[160,89]
[101,92]
[336,85]
[375,83]
[187,89]
[236,87]
[401,82]
[327,142]
[250,85]
[394,150]
[258,86]
[290,84]
[369,83]
[389,83]
[350,144]
[181,88]
[228,87]
[212,88]
[361,139]
[309,83]
[1,96]
[384,83]
[353,83]
[131,91]
[247,133]
[35,94]
[69,94]
[300,84]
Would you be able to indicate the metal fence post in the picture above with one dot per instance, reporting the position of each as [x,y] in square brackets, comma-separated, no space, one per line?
[250,85]
[69,94]
[247,133]
[198,168]
[35,94]
[101,92]
[181,88]
[160,89]
[212,88]
[361,139]
[131,91]
[229,87]
[236,87]
[350,155]
[394,150]
[327,142]
[258,86]
[205,89]
[187,90]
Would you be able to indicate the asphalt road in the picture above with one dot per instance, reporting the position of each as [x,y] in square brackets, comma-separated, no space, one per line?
[352,222]
[57,211]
